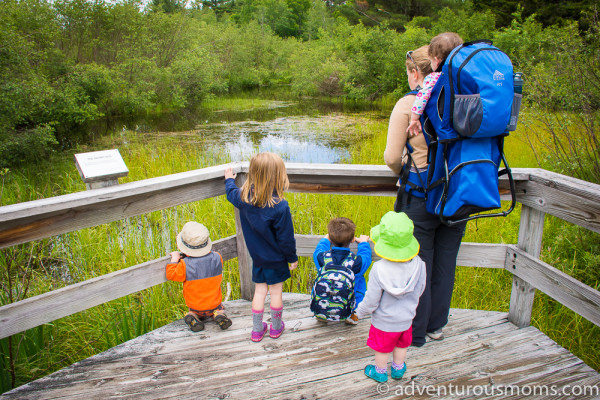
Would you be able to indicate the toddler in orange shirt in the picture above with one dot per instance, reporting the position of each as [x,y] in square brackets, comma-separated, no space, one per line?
[201,271]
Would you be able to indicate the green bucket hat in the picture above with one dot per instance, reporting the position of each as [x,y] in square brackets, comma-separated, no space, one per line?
[394,238]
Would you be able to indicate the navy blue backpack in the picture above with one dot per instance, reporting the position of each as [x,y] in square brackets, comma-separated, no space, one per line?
[472,108]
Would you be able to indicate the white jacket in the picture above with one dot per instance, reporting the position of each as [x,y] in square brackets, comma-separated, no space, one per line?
[393,293]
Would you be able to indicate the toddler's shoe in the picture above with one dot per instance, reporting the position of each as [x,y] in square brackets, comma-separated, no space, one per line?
[194,323]
[257,336]
[398,373]
[222,321]
[275,333]
[372,373]
[352,319]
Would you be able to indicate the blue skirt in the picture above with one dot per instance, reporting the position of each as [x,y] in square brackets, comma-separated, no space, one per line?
[270,276]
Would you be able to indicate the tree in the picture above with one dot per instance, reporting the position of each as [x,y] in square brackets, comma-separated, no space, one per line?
[547,12]
[167,6]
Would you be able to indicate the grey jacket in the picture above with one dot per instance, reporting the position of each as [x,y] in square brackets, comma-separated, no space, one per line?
[393,293]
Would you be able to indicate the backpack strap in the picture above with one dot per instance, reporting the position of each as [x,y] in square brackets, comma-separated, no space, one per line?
[327,259]
[406,169]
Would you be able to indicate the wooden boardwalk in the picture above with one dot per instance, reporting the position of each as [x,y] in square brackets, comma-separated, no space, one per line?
[483,356]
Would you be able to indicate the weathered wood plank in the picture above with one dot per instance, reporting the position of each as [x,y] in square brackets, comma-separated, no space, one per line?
[568,291]
[23,222]
[38,310]
[571,199]
[484,255]
[574,200]
[531,230]
[316,361]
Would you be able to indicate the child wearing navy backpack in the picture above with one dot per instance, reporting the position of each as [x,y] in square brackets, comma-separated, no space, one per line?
[440,48]
[268,230]
[333,253]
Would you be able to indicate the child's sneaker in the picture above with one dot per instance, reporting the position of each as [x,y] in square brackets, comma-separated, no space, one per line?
[194,323]
[352,319]
[398,373]
[372,373]
[222,321]
[257,336]
[275,333]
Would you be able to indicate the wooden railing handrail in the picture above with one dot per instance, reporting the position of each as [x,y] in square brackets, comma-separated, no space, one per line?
[568,198]
[538,190]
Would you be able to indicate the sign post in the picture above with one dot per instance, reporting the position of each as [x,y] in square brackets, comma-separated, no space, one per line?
[100,169]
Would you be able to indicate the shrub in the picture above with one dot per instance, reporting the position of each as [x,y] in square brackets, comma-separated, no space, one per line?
[27,145]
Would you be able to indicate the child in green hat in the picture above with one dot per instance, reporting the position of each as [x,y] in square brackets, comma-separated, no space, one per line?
[395,285]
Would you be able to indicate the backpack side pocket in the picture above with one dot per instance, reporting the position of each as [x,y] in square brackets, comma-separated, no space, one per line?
[514,112]
[468,114]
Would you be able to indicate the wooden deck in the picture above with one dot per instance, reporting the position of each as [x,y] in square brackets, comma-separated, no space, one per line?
[483,354]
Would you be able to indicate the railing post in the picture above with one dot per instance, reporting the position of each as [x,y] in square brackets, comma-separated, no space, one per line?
[244,259]
[531,229]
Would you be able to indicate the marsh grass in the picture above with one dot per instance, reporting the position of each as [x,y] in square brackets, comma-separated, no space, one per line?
[77,256]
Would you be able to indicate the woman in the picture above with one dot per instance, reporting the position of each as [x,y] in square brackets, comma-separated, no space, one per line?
[439,243]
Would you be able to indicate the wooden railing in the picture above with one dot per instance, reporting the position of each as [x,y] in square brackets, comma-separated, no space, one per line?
[540,192]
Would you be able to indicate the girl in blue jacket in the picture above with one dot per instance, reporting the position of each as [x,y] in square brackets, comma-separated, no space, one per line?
[269,234]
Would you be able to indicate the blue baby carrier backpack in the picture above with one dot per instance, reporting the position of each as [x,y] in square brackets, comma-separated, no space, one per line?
[332,297]
[472,108]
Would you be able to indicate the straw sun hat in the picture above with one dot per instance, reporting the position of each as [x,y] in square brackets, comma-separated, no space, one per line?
[194,240]
[394,238]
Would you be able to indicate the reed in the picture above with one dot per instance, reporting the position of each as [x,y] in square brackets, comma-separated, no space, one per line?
[80,255]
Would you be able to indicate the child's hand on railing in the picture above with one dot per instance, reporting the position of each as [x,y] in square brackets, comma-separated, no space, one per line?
[361,239]
[175,257]
[229,173]
[293,265]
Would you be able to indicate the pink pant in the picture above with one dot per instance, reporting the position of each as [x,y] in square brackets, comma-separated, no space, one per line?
[385,342]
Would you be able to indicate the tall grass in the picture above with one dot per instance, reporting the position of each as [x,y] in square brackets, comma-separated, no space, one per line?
[81,255]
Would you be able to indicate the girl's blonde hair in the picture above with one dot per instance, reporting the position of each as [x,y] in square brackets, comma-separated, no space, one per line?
[419,60]
[267,180]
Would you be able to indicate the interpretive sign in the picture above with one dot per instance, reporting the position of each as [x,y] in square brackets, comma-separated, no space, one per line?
[101,168]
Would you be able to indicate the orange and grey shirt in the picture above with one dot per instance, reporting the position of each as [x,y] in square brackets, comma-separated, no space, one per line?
[201,277]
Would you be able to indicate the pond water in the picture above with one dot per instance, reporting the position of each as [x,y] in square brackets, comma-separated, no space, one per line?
[307,130]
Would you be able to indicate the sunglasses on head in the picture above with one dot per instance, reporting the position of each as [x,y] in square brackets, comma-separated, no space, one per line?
[409,56]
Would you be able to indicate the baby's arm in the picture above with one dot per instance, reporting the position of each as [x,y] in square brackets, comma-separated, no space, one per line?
[414,128]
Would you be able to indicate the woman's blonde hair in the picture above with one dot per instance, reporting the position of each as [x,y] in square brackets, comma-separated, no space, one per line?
[419,59]
[267,180]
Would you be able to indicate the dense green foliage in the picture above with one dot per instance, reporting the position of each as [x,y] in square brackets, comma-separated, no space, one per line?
[66,63]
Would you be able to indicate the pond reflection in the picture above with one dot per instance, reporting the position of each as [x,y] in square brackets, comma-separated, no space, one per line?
[296,139]
[306,131]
